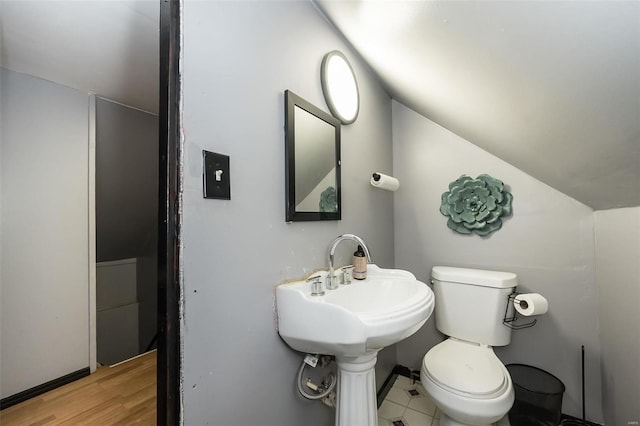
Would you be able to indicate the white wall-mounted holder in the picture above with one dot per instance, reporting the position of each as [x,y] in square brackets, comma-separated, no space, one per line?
[382,181]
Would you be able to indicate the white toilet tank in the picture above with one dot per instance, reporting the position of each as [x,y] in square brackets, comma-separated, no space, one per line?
[471,303]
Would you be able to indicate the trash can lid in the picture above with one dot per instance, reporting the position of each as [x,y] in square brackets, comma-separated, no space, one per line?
[534,379]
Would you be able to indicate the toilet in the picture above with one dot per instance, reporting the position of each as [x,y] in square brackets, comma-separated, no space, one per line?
[463,375]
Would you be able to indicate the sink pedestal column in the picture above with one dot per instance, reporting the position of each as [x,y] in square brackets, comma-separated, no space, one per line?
[357,405]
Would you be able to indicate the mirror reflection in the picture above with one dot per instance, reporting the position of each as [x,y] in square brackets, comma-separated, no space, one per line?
[313,162]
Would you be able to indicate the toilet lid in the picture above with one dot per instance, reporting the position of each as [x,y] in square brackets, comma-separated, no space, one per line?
[465,367]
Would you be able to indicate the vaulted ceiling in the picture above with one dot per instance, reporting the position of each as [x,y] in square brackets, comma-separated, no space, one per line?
[551,87]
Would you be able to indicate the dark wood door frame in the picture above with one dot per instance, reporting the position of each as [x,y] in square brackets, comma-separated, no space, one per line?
[168,373]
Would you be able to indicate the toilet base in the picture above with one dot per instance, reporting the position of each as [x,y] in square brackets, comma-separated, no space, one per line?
[468,410]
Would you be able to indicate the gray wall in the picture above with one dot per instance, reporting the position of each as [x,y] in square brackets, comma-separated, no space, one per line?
[548,242]
[126,181]
[44,287]
[127,199]
[239,58]
[618,279]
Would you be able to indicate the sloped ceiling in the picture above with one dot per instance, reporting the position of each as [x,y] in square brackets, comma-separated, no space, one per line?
[109,48]
[551,87]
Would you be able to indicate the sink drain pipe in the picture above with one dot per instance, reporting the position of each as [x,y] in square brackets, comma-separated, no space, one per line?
[319,391]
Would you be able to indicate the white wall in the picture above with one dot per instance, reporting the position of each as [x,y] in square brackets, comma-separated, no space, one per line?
[618,279]
[548,242]
[44,273]
[239,58]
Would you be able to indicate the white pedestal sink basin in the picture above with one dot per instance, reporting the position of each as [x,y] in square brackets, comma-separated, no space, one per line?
[353,323]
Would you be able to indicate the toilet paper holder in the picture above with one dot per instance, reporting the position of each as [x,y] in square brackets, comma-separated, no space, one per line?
[509,319]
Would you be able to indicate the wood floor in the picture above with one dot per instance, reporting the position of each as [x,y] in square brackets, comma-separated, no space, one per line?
[121,395]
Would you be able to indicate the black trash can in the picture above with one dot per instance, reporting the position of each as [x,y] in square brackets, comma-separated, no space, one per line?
[538,397]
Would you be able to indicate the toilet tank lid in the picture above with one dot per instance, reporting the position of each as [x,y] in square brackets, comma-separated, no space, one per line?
[479,277]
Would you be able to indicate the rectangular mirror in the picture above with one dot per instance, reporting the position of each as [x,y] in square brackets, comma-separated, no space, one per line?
[312,162]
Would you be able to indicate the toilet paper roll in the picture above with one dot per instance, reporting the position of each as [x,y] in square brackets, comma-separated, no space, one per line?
[529,304]
[383,181]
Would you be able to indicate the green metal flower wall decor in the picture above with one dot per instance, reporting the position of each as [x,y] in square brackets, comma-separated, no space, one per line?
[476,205]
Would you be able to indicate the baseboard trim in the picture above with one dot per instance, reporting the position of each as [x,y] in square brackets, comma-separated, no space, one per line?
[568,420]
[45,387]
[385,388]
[398,370]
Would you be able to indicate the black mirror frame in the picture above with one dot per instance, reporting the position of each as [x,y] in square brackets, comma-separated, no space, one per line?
[291,100]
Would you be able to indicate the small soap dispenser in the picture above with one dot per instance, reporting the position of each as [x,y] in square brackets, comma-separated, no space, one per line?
[359,264]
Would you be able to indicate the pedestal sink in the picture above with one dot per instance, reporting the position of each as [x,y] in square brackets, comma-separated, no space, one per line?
[353,323]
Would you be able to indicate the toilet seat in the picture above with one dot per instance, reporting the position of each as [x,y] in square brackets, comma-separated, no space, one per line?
[466,369]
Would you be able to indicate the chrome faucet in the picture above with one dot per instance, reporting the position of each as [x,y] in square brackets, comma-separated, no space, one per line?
[332,283]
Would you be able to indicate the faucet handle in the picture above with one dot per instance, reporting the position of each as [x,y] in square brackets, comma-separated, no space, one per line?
[331,280]
[316,285]
[347,272]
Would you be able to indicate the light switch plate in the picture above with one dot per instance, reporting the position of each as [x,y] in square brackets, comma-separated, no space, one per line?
[216,177]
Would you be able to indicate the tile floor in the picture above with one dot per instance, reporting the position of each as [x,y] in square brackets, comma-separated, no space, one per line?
[408,404]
